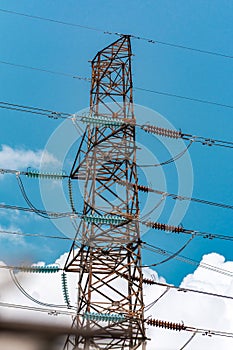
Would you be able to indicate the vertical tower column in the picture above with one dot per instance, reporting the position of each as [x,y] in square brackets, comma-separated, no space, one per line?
[106,253]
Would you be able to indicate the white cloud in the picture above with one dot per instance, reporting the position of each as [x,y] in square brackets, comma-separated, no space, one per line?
[193,309]
[21,158]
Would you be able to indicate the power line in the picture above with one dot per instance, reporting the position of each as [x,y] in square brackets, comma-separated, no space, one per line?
[27,295]
[164,227]
[52,20]
[189,341]
[187,98]
[63,312]
[140,188]
[145,280]
[209,333]
[205,235]
[50,311]
[147,128]
[39,235]
[180,229]
[148,40]
[149,306]
[207,141]
[44,70]
[185,290]
[176,196]
[169,255]
[174,134]
[169,161]
[185,259]
[164,93]
[182,327]
[192,199]
[35,110]
[54,215]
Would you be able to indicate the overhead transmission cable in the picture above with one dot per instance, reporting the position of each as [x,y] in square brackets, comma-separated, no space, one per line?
[187,98]
[169,254]
[49,214]
[186,290]
[189,341]
[147,189]
[86,79]
[149,306]
[158,250]
[41,213]
[163,324]
[27,295]
[141,188]
[144,280]
[44,70]
[180,135]
[148,40]
[174,230]
[184,259]
[146,246]
[50,311]
[182,327]
[35,110]
[181,229]
[35,235]
[147,128]
[169,161]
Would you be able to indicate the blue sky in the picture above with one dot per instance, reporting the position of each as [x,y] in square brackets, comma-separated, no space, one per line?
[200,24]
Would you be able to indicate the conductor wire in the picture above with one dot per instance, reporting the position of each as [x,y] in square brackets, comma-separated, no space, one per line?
[171,160]
[189,341]
[174,254]
[149,306]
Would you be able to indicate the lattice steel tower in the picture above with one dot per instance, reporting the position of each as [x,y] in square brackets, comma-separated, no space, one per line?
[108,261]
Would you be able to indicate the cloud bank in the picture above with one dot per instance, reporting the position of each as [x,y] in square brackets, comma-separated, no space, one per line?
[20,158]
[193,309]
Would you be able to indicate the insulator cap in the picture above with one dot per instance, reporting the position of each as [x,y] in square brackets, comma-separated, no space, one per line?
[40,269]
[107,219]
[65,289]
[162,131]
[163,227]
[45,175]
[94,316]
[100,120]
[166,324]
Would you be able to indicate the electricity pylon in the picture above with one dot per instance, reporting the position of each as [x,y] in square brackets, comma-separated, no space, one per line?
[108,260]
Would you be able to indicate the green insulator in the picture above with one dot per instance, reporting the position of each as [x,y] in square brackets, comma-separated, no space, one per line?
[105,318]
[108,219]
[40,269]
[65,289]
[44,269]
[33,173]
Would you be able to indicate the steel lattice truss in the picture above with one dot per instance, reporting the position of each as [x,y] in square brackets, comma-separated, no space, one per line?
[108,262]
